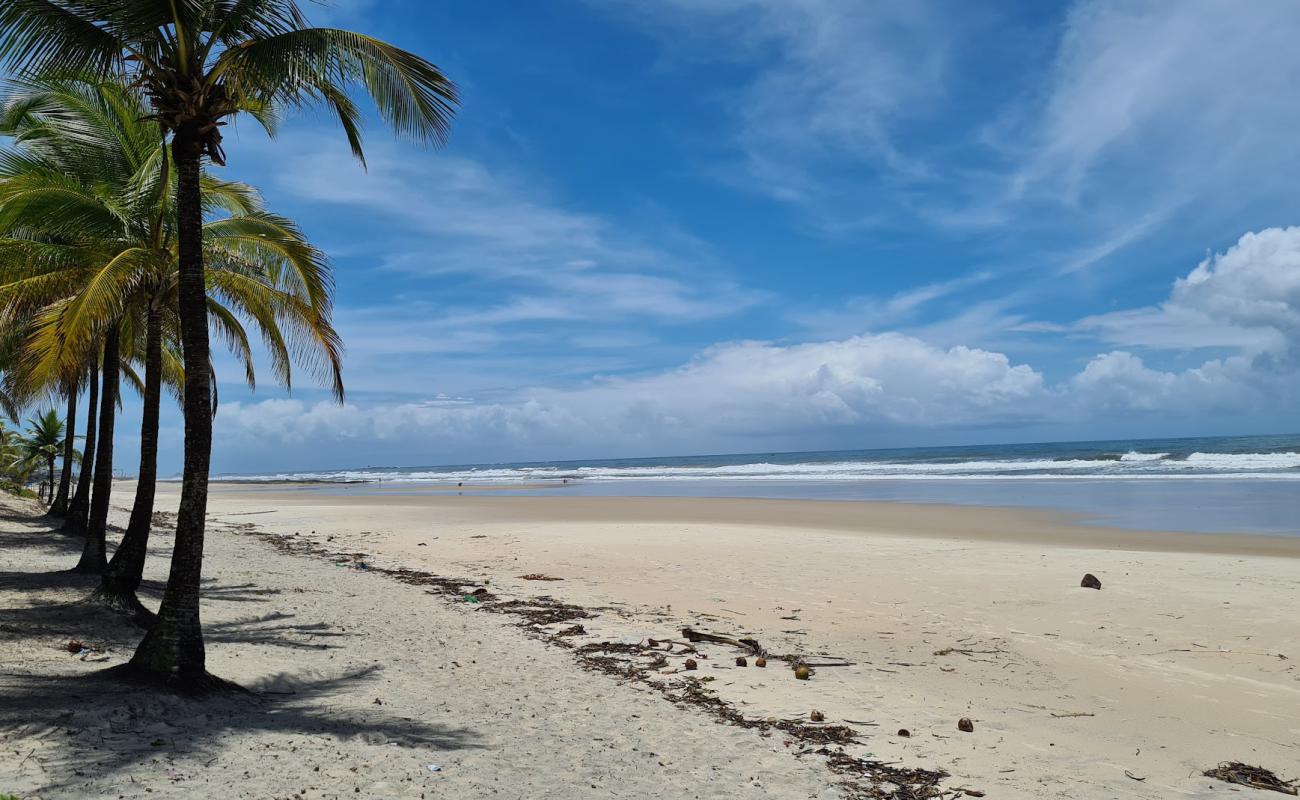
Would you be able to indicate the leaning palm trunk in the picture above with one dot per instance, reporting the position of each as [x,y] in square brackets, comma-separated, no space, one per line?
[94,553]
[126,570]
[60,506]
[173,648]
[79,507]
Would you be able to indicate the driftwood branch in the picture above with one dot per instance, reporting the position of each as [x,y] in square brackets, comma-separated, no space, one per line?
[749,645]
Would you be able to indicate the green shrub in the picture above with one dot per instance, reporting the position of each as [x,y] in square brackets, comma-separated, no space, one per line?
[21,491]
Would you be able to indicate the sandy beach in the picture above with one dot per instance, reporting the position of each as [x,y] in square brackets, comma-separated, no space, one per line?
[913,617]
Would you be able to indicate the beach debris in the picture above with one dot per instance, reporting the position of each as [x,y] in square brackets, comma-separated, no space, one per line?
[1254,777]
[1090,581]
[741,662]
[817,716]
[537,576]
[863,776]
[690,664]
[1128,774]
[572,630]
[433,767]
[694,637]
[965,725]
[802,672]
[904,732]
[74,646]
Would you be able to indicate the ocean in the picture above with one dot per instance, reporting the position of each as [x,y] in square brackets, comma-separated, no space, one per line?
[1209,484]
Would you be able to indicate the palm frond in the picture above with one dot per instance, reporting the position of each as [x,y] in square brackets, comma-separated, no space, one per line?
[315,65]
[43,36]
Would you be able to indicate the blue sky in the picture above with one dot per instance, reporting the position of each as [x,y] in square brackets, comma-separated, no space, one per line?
[744,225]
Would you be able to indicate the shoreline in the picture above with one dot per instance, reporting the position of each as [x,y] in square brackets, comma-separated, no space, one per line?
[1200,505]
[1003,524]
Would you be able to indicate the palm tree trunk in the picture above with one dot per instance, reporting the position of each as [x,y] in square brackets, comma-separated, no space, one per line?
[93,554]
[60,507]
[126,570]
[79,508]
[173,648]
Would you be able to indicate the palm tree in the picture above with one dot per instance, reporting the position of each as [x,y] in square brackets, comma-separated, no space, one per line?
[59,508]
[15,468]
[202,63]
[79,506]
[42,443]
[259,266]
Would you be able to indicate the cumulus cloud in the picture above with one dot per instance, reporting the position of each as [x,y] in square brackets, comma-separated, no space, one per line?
[1246,298]
[729,395]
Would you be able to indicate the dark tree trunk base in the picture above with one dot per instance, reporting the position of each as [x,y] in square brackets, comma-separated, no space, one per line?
[201,684]
[125,602]
[90,565]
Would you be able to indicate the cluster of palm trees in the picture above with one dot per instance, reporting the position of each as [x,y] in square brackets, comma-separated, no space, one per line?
[120,253]
[22,456]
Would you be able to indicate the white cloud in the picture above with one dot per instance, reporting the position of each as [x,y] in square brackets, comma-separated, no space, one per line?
[740,394]
[1119,382]
[760,395]
[1246,298]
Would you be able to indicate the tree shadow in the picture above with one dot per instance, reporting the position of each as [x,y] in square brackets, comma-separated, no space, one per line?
[213,589]
[96,724]
[42,581]
[263,630]
[47,619]
[52,539]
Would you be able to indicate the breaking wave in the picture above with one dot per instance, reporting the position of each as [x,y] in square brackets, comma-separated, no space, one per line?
[1128,465]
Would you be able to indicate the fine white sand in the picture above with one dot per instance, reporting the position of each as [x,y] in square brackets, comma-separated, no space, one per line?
[1185,658]
[502,715]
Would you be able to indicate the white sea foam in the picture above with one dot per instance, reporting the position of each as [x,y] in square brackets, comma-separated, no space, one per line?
[1134,456]
[1132,465]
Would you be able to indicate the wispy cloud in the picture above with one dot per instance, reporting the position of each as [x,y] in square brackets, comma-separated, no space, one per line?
[1149,110]
[459,218]
[1111,122]
[830,83]
[443,258]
